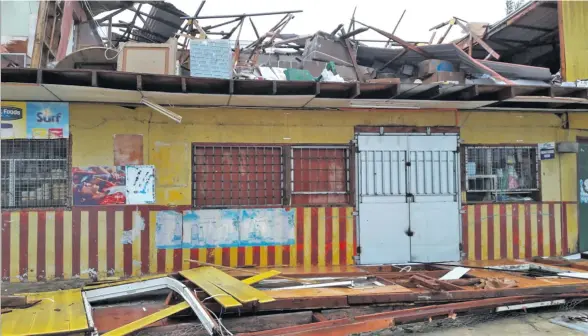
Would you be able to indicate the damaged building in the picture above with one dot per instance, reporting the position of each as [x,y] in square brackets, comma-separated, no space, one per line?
[146,148]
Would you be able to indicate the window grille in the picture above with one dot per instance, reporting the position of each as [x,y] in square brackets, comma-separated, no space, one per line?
[499,171]
[34,173]
[225,176]
[320,175]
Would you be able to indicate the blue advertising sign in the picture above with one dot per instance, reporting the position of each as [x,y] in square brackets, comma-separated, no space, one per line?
[47,120]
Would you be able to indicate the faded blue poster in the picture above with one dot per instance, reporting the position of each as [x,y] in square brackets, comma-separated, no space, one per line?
[168,229]
[229,228]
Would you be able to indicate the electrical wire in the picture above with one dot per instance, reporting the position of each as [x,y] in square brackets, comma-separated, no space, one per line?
[218,318]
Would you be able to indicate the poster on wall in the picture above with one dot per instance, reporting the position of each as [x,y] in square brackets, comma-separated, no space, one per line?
[99,185]
[35,120]
[168,230]
[267,227]
[14,120]
[547,150]
[211,228]
[140,184]
[231,227]
[47,120]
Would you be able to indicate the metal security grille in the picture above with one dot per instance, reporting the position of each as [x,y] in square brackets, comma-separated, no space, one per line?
[510,169]
[34,173]
[320,174]
[382,173]
[225,176]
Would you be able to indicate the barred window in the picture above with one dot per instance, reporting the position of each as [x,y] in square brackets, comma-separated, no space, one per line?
[34,173]
[505,173]
[320,175]
[240,175]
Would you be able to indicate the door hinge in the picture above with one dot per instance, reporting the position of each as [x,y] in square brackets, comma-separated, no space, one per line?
[358,250]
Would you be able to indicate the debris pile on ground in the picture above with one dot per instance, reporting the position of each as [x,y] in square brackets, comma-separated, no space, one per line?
[336,300]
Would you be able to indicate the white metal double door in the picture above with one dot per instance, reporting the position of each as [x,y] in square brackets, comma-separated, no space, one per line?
[408,198]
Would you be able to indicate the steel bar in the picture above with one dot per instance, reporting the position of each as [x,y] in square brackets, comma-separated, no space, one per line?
[109,16]
[479,40]
[352,19]
[127,32]
[353,33]
[254,28]
[223,23]
[446,33]
[336,30]
[239,15]
[395,27]
[399,41]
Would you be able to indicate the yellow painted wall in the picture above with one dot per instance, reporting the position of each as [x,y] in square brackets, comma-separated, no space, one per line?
[573,33]
[167,145]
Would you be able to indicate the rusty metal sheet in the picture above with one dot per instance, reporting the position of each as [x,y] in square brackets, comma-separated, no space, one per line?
[128,149]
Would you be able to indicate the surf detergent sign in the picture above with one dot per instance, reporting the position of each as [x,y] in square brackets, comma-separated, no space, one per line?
[47,120]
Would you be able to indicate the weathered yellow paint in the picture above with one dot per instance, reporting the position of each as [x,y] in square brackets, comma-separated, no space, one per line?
[147,320]
[573,32]
[546,217]
[57,312]
[102,247]
[350,236]
[263,256]
[248,255]
[573,229]
[67,241]
[558,223]
[522,236]
[50,245]
[484,235]
[471,235]
[234,256]
[152,248]
[32,242]
[278,257]
[169,260]
[509,234]
[534,230]
[496,226]
[136,246]
[321,237]
[186,258]
[218,256]
[335,237]
[307,237]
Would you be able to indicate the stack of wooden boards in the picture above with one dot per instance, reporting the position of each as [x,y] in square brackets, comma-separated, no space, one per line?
[226,290]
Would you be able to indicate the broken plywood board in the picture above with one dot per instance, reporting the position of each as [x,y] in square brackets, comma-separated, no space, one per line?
[224,299]
[57,312]
[239,290]
[260,277]
[147,320]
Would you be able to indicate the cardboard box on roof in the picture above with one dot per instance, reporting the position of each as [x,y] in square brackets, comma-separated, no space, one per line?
[431,66]
[445,76]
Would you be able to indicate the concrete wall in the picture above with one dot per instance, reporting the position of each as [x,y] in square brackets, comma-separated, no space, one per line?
[86,240]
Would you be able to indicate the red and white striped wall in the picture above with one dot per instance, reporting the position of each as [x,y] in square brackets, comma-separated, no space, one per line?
[85,242]
[522,230]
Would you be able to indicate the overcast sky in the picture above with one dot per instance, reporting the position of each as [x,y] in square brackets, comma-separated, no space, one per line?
[325,15]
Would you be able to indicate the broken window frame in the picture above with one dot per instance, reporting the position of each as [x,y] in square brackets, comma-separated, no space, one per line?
[480,190]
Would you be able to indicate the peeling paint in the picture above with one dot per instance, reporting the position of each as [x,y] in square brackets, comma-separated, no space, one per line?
[128,237]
